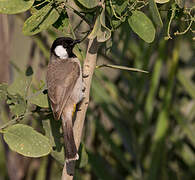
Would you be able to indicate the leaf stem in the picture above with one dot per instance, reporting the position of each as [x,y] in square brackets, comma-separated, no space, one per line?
[13,121]
[111,5]
[169,24]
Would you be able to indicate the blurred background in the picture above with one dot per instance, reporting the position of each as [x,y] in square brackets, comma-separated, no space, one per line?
[138,126]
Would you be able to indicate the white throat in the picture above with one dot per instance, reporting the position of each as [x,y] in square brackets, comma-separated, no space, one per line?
[61,52]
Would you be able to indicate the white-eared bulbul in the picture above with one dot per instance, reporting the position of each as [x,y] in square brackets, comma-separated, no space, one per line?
[65,89]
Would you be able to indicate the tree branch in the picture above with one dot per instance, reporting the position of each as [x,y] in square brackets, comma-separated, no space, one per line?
[88,70]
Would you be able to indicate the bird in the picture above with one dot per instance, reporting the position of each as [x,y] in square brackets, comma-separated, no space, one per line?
[65,89]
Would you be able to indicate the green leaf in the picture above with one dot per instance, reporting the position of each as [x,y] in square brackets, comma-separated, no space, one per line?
[104,33]
[116,23]
[62,23]
[101,168]
[109,45]
[89,3]
[161,1]
[52,132]
[154,80]
[15,6]
[40,20]
[120,6]
[187,155]
[20,85]
[180,3]
[109,9]
[142,26]
[3,91]
[26,141]
[96,28]
[99,94]
[40,99]
[17,104]
[155,13]
[185,125]
[186,83]
[83,160]
[115,149]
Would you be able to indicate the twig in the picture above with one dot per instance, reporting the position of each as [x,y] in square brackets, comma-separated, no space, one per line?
[88,70]
[78,13]
[121,67]
[13,121]
[142,6]
[169,24]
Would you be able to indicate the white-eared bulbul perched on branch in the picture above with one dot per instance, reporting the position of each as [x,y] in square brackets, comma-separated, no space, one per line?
[65,89]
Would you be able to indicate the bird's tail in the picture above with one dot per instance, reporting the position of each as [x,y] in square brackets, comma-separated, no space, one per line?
[70,146]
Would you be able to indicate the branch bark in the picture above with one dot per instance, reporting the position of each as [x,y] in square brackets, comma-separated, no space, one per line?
[88,70]
[4,48]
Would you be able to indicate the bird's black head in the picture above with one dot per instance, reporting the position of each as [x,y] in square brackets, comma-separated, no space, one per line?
[62,47]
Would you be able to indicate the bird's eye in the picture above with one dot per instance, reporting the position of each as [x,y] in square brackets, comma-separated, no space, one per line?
[65,45]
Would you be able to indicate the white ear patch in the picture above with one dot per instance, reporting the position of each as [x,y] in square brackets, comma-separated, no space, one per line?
[61,52]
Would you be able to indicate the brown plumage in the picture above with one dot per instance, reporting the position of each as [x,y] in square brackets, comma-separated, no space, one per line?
[65,90]
[60,86]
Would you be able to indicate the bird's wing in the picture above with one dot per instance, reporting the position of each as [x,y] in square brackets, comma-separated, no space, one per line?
[61,78]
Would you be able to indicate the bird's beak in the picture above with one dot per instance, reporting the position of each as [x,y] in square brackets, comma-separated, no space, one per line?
[76,41]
